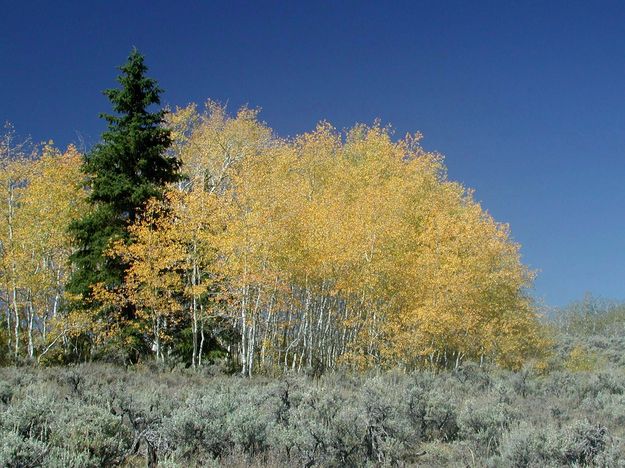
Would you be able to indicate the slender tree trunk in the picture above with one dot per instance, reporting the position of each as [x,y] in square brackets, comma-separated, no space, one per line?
[251,346]
[16,320]
[157,338]
[251,330]
[243,332]
[194,325]
[194,332]
[458,360]
[8,318]
[31,347]
[57,296]
[201,348]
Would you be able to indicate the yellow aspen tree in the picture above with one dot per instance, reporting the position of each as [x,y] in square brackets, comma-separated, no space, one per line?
[52,198]
[14,169]
[152,281]
[213,148]
[198,225]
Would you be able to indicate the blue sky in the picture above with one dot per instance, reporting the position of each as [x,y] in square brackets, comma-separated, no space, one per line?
[526,100]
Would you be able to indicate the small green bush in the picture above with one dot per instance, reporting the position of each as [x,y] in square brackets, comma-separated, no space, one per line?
[92,429]
[482,421]
[17,451]
[582,443]
[526,446]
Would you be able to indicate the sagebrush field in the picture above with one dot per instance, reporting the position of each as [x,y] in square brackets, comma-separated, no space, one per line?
[103,415]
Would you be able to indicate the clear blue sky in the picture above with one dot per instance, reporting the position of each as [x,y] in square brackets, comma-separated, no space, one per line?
[525,99]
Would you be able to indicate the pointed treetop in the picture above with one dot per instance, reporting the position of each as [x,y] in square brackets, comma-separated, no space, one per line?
[137,91]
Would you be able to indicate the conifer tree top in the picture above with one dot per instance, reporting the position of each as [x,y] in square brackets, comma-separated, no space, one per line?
[131,165]
[137,93]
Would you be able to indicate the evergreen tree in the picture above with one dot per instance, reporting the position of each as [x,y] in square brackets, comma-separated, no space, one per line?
[129,166]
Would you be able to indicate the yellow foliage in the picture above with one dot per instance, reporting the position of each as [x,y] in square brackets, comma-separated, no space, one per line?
[361,237]
[580,359]
[39,196]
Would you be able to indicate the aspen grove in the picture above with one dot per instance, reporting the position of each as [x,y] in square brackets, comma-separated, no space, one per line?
[326,249]
[194,236]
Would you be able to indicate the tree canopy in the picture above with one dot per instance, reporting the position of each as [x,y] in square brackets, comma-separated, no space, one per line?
[194,233]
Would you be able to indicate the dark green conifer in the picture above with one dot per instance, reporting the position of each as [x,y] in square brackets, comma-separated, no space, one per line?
[124,170]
